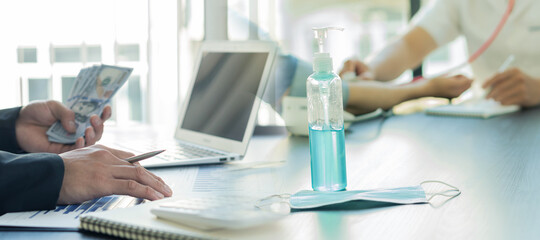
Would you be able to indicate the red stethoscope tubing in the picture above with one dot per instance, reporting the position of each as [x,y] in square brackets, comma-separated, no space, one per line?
[484,46]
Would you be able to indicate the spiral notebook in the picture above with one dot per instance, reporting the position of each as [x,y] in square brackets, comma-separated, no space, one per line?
[477,109]
[138,222]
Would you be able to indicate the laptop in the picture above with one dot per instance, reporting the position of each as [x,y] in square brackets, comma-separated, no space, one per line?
[217,117]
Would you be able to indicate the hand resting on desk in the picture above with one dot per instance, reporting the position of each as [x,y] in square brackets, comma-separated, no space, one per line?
[446,87]
[98,171]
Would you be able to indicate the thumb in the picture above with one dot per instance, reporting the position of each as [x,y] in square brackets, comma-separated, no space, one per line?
[64,114]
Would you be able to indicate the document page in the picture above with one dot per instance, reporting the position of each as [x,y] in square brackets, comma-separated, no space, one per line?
[67,216]
[238,178]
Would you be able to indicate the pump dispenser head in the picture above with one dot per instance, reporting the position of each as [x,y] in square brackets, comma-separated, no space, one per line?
[322,60]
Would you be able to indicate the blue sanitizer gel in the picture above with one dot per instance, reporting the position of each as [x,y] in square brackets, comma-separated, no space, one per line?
[327,150]
[325,118]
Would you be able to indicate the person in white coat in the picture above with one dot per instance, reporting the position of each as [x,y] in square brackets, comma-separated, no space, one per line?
[442,21]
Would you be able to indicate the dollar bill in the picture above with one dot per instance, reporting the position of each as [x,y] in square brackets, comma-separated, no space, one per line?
[92,91]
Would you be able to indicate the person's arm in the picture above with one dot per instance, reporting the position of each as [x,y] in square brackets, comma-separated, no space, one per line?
[366,96]
[406,52]
[435,25]
[8,140]
[29,181]
[39,181]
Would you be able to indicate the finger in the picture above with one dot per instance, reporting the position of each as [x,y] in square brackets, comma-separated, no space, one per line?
[508,93]
[156,177]
[64,114]
[134,189]
[142,176]
[360,67]
[61,148]
[512,100]
[79,143]
[90,136]
[347,67]
[501,87]
[500,77]
[97,125]
[106,114]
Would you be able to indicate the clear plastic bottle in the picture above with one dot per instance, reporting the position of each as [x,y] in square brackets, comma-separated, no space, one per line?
[325,117]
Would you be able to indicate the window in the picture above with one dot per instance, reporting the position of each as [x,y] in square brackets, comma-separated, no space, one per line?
[67,85]
[238,30]
[128,52]
[135,98]
[67,54]
[39,89]
[118,36]
[27,55]
[93,54]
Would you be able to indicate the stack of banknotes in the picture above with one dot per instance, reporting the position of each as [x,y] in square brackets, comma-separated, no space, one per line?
[92,91]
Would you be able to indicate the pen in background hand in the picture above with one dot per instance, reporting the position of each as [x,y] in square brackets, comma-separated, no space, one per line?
[506,63]
[509,60]
[143,156]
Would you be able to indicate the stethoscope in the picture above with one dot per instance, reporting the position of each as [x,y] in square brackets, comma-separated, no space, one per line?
[481,49]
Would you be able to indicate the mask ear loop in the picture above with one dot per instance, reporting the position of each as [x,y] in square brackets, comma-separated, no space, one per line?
[455,190]
[282,198]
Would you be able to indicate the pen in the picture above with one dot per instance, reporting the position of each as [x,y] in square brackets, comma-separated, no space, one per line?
[506,63]
[501,69]
[143,156]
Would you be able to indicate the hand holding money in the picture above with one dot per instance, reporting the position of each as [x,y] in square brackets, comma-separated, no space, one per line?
[93,89]
[37,117]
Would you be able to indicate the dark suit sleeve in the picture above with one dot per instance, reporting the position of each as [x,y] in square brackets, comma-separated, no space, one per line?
[8,139]
[27,181]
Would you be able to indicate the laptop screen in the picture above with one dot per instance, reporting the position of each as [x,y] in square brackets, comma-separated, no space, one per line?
[224,92]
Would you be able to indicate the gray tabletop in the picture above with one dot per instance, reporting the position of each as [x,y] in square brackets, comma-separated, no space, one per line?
[494,162]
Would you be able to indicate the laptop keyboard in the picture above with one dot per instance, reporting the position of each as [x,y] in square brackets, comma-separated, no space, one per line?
[176,151]
[185,151]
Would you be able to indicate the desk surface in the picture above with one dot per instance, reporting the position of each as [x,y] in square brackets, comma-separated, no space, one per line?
[494,162]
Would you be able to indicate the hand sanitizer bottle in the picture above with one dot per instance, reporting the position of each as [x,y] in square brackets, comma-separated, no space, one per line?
[325,118]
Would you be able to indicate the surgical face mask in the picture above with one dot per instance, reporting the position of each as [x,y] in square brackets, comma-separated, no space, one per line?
[403,195]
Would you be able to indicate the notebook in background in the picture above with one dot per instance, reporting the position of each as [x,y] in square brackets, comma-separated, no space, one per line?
[477,109]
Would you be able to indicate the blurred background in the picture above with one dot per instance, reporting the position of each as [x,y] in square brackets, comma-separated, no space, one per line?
[45,43]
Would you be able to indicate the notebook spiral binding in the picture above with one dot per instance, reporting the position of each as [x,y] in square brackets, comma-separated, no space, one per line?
[126,231]
[456,114]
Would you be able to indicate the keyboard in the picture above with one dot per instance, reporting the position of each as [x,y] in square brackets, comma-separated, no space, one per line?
[210,213]
[180,151]
[175,151]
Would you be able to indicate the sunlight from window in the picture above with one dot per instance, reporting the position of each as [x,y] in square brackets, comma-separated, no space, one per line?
[48,42]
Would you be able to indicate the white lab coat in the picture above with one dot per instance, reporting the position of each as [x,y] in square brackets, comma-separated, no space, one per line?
[445,20]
